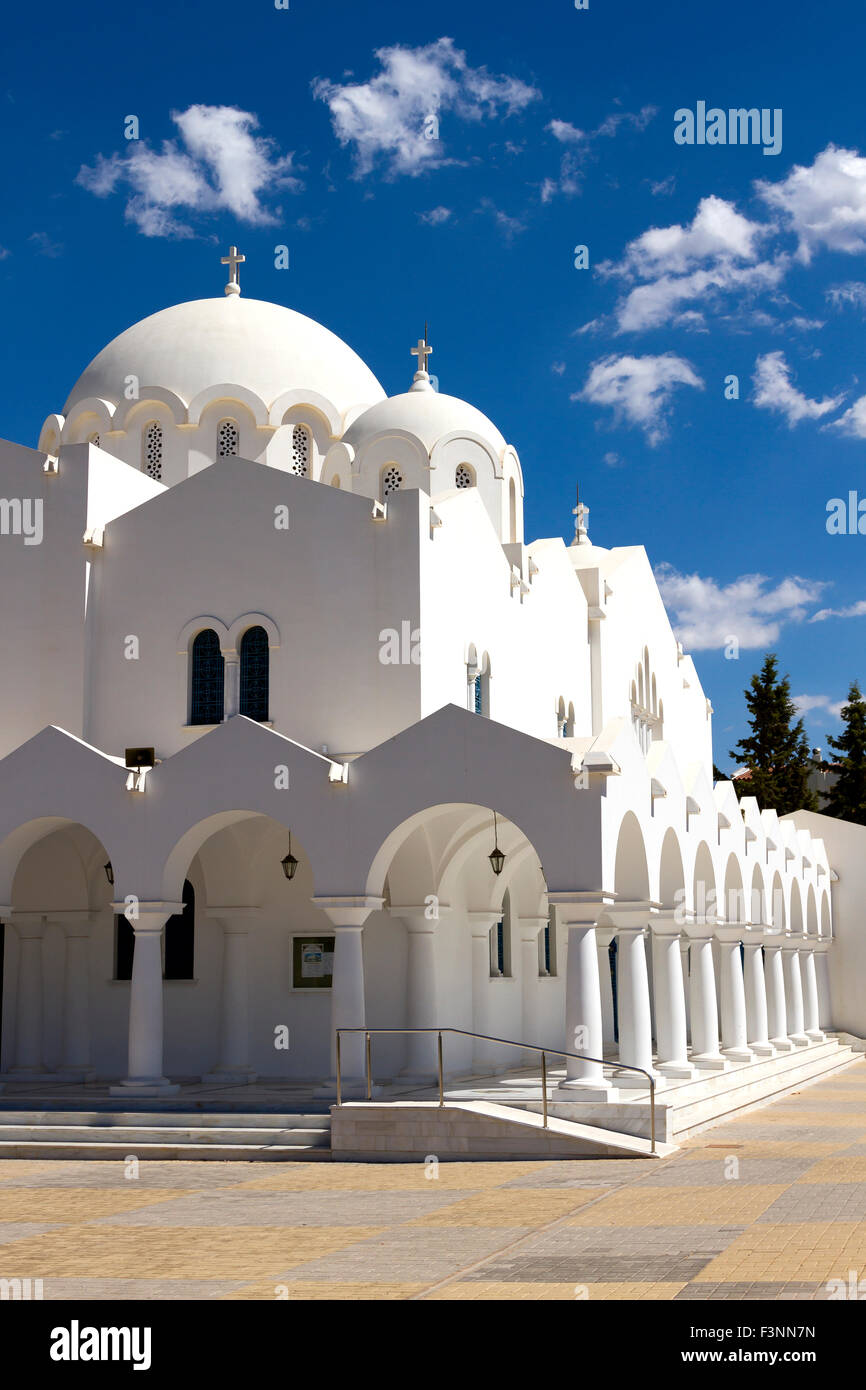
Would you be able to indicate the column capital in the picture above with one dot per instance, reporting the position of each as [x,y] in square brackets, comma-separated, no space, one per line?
[579,908]
[418,917]
[349,911]
[531,927]
[27,924]
[633,914]
[147,916]
[668,921]
[729,933]
[481,921]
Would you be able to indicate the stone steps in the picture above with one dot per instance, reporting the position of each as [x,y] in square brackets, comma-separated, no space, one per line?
[118,1135]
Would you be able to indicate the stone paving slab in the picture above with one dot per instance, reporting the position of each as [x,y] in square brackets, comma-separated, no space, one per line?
[780,1223]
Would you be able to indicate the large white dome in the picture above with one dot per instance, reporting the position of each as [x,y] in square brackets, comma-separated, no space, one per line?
[427,414]
[263,347]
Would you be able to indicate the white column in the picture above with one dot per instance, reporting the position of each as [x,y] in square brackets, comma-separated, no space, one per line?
[145,1076]
[794,995]
[484,1055]
[603,938]
[777,1011]
[76,997]
[531,1029]
[822,970]
[30,927]
[633,1004]
[685,946]
[231,683]
[583,1026]
[702,990]
[670,1000]
[733,995]
[422,993]
[234,1053]
[348,1000]
[811,1010]
[757,1023]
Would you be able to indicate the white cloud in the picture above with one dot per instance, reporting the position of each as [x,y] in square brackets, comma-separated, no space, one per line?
[436,216]
[853,292]
[217,164]
[640,120]
[751,609]
[4,252]
[388,117]
[639,389]
[824,204]
[853,610]
[663,187]
[508,225]
[565,132]
[808,704]
[717,252]
[775,391]
[853,421]
[558,368]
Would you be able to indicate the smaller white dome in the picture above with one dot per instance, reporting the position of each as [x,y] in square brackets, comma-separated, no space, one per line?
[428,415]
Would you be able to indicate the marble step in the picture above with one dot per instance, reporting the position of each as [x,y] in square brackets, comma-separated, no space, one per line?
[216,1151]
[125,1119]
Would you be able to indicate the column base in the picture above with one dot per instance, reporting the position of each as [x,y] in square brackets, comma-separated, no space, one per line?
[738,1054]
[763,1049]
[585,1091]
[815,1035]
[146,1086]
[798,1039]
[238,1076]
[782,1044]
[632,1081]
[710,1061]
[76,1074]
[680,1071]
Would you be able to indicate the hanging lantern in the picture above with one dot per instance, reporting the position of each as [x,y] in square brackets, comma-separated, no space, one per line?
[496,857]
[109,873]
[290,863]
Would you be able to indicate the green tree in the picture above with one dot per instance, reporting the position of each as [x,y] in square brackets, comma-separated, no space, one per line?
[847,799]
[776,752]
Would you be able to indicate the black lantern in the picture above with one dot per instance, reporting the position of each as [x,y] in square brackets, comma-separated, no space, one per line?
[496,857]
[290,863]
[109,873]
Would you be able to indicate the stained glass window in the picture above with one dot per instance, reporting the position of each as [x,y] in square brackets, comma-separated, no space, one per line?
[255,662]
[207,682]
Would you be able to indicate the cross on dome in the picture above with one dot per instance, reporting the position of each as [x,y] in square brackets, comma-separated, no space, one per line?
[580,514]
[422,351]
[233,260]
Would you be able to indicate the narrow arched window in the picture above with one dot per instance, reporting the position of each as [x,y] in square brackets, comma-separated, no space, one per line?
[207,679]
[463,477]
[228,439]
[180,939]
[255,672]
[301,451]
[392,480]
[500,942]
[151,450]
[512,511]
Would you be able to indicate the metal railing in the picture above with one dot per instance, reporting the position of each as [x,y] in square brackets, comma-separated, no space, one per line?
[485,1037]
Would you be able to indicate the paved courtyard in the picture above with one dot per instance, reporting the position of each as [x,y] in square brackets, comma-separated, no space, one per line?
[770,1205]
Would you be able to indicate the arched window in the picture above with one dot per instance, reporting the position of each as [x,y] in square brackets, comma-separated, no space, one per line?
[464,476]
[561,719]
[180,939]
[512,511]
[255,671]
[300,451]
[500,942]
[228,439]
[207,679]
[151,450]
[478,695]
[547,946]
[392,480]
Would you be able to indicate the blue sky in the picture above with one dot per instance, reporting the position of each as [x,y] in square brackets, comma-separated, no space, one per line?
[307,128]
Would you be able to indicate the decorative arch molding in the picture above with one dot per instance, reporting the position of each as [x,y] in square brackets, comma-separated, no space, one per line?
[510,456]
[375,446]
[461,436]
[246,621]
[200,624]
[324,408]
[94,411]
[53,426]
[231,395]
[148,396]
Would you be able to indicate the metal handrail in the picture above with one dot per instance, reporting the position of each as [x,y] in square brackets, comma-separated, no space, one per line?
[506,1042]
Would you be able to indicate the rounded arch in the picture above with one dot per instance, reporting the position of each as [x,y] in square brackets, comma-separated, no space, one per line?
[811,912]
[26,838]
[796,909]
[129,412]
[734,909]
[778,914]
[230,398]
[704,893]
[631,876]
[672,879]
[234,634]
[757,905]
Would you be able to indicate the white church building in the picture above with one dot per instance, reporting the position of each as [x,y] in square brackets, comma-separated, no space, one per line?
[299,732]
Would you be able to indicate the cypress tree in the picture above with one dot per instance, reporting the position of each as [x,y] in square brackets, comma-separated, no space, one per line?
[777,752]
[847,799]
